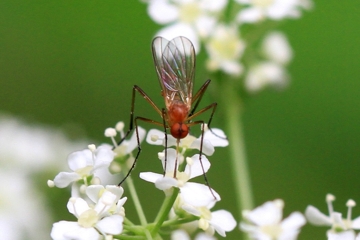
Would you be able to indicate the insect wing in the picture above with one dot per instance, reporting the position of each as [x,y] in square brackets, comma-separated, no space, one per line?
[175,65]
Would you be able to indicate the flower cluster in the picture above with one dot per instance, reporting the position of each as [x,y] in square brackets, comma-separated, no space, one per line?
[194,198]
[229,31]
[98,205]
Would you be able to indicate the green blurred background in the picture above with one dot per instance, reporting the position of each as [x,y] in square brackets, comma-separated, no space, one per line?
[72,64]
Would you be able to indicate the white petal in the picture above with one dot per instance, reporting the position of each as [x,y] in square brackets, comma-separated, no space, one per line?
[116,190]
[197,194]
[111,225]
[281,9]
[180,235]
[291,226]
[170,160]
[216,137]
[60,228]
[207,147]
[293,221]
[355,224]
[223,221]
[155,132]
[249,228]
[267,214]
[150,176]
[204,236]
[243,1]
[195,169]
[63,179]
[77,206]
[232,67]
[276,47]
[191,209]
[165,183]
[162,12]
[64,230]
[80,159]
[104,155]
[346,235]
[180,29]
[106,201]
[132,143]
[121,202]
[93,192]
[205,24]
[249,15]
[214,6]
[314,216]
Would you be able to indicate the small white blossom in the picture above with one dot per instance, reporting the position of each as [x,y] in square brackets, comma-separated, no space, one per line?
[225,49]
[276,48]
[339,226]
[189,18]
[103,218]
[126,146]
[271,71]
[85,163]
[259,10]
[220,221]
[157,137]
[265,222]
[265,73]
[195,194]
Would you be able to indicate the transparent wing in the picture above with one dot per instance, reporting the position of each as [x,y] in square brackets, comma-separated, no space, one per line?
[175,65]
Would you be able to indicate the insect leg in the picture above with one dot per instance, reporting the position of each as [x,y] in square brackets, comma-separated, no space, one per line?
[138,142]
[163,111]
[148,99]
[200,155]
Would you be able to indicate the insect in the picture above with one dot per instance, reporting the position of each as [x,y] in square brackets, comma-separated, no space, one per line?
[175,66]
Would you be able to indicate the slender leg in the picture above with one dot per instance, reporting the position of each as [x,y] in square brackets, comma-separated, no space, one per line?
[148,99]
[138,142]
[200,155]
[165,132]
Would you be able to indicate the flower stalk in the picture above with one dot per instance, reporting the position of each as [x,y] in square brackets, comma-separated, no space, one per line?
[232,105]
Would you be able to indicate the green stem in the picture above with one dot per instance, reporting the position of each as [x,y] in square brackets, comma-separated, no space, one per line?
[136,201]
[164,210]
[233,106]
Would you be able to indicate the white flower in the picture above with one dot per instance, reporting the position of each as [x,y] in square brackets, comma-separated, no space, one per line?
[270,72]
[126,146]
[220,221]
[85,163]
[277,48]
[188,18]
[195,194]
[212,138]
[92,220]
[265,73]
[273,9]
[225,49]
[334,219]
[264,222]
